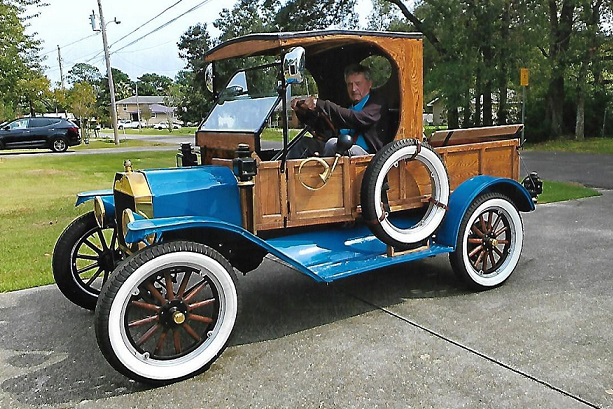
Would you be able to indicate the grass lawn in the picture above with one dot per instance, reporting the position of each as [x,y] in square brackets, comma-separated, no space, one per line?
[186,130]
[589,145]
[109,143]
[37,202]
[554,191]
[37,198]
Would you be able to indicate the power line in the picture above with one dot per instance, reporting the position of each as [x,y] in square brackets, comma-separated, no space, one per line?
[163,25]
[145,23]
[139,27]
[69,44]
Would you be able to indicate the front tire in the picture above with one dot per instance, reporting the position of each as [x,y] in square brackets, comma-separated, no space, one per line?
[59,145]
[83,258]
[167,312]
[489,242]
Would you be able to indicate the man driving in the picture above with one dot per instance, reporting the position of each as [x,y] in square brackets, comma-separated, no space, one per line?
[365,120]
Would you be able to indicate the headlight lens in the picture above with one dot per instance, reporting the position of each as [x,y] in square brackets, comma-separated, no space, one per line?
[99,211]
[126,217]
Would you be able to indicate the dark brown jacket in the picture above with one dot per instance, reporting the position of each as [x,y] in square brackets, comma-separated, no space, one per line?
[372,121]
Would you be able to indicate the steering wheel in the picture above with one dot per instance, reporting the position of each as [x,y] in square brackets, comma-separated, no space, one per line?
[318,114]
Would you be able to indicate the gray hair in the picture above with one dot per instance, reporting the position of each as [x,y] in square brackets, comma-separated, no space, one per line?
[357,69]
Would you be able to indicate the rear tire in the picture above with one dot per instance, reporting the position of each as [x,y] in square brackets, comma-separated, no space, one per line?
[489,242]
[167,312]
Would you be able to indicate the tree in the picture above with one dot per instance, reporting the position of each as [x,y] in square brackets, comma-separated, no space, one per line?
[145,113]
[82,99]
[82,72]
[153,84]
[173,97]
[193,45]
[19,60]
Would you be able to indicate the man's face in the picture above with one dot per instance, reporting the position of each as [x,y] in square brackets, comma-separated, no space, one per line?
[357,86]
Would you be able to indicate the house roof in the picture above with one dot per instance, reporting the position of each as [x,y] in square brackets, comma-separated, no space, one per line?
[157,108]
[144,99]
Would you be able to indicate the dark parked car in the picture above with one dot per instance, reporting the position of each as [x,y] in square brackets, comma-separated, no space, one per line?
[56,134]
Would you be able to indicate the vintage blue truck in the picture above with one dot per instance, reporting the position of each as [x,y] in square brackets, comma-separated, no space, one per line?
[157,257]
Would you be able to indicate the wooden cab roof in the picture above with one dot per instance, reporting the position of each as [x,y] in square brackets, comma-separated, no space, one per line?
[328,52]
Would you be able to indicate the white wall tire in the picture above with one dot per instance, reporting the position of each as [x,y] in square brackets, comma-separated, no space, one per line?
[490,241]
[373,182]
[178,332]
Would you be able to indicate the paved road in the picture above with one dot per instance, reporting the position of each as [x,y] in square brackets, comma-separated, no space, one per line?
[400,337]
[593,170]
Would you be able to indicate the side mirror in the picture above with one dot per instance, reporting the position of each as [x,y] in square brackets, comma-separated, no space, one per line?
[208,77]
[6,128]
[293,66]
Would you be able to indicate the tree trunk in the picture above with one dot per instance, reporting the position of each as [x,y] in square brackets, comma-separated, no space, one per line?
[487,88]
[466,111]
[580,121]
[560,32]
[591,13]
[478,93]
[453,118]
[503,69]
[555,104]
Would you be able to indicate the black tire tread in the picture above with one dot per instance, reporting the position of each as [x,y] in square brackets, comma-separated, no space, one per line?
[367,190]
[456,257]
[61,263]
[121,274]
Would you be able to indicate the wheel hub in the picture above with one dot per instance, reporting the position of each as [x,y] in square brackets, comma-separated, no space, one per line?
[107,260]
[173,314]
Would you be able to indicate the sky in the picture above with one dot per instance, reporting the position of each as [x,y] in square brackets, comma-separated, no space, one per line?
[63,22]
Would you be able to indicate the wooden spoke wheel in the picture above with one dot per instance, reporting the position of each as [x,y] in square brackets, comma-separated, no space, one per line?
[83,258]
[489,242]
[168,312]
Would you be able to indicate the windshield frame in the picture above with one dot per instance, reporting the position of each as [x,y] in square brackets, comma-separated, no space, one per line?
[218,96]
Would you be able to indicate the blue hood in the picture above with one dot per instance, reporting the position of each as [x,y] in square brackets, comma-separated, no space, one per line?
[210,191]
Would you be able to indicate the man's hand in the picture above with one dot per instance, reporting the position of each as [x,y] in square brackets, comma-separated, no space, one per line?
[295,102]
[311,103]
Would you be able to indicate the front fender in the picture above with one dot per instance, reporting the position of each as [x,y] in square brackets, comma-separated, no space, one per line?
[463,196]
[138,230]
[106,195]
[107,199]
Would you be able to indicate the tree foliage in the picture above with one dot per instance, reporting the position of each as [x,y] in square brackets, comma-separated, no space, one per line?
[19,61]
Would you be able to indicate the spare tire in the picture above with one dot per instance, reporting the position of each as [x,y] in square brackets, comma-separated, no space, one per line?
[373,194]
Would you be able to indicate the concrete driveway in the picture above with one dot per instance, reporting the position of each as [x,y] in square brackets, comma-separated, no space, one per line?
[404,337]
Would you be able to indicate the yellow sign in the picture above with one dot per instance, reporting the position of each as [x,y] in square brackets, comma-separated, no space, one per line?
[524,76]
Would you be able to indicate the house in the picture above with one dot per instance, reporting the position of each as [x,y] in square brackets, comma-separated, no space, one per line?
[128,108]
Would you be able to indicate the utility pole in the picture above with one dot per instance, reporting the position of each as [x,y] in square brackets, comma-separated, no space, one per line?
[109,74]
[59,60]
[137,108]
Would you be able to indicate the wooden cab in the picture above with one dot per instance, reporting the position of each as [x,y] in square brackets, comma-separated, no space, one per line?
[282,198]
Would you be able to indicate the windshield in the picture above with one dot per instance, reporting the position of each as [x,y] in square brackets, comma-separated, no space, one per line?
[246,102]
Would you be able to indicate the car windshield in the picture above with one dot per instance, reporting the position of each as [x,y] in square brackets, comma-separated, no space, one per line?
[246,102]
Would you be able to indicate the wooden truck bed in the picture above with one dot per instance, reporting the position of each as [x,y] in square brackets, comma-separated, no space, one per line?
[282,201]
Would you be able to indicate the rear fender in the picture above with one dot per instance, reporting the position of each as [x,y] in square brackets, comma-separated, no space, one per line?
[465,194]
[138,231]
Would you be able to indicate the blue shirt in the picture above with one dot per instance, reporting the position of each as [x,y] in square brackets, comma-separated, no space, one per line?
[360,141]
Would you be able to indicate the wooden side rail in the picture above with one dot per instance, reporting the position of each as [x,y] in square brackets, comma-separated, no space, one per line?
[452,137]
